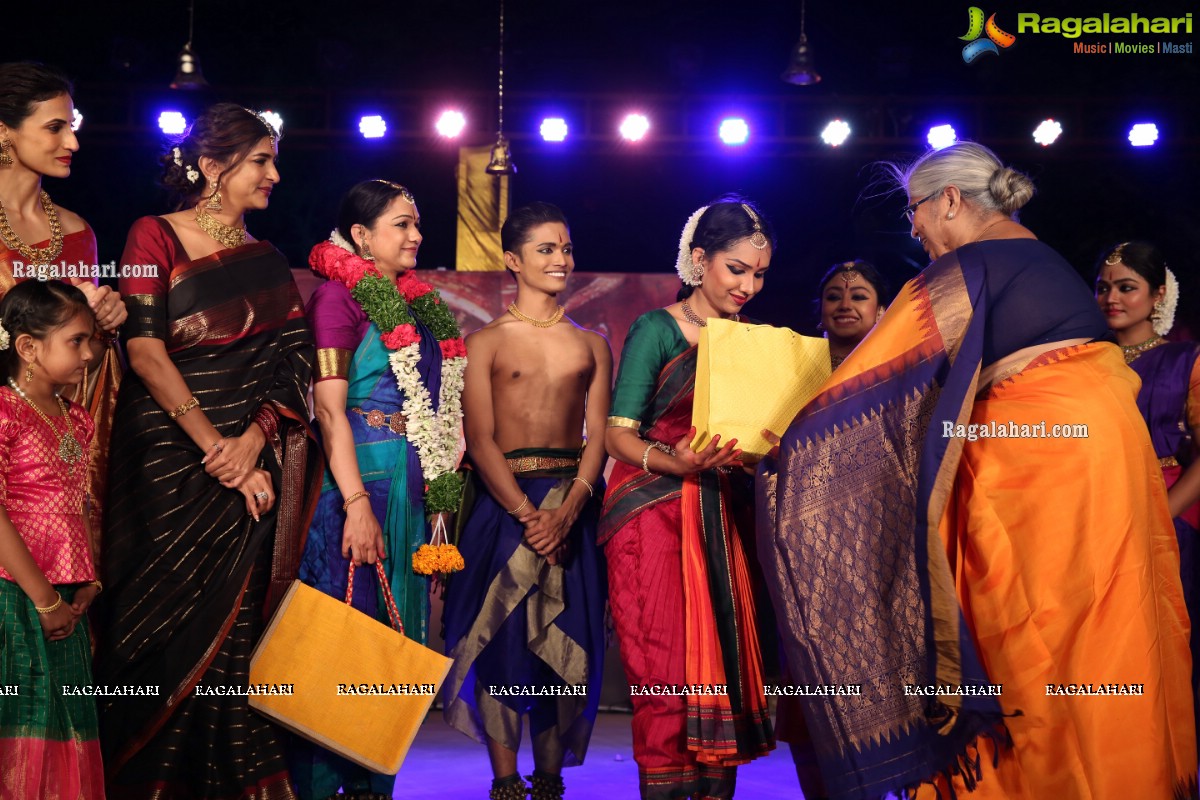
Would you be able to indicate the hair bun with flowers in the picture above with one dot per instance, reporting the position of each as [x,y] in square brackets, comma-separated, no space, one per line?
[684,266]
[1164,311]
[4,339]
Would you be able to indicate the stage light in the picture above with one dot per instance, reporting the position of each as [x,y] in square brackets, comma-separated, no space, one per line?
[836,133]
[172,123]
[734,131]
[941,136]
[273,119]
[554,129]
[372,126]
[1047,133]
[76,119]
[634,127]
[451,123]
[1143,134]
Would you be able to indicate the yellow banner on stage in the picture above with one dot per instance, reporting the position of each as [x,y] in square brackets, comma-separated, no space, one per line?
[751,377]
[482,209]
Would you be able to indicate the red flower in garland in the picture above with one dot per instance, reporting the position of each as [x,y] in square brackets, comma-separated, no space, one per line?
[411,287]
[453,348]
[331,261]
[400,336]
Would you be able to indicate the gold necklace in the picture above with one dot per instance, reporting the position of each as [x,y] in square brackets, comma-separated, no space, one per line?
[694,318]
[228,236]
[69,448]
[34,255]
[554,319]
[1132,351]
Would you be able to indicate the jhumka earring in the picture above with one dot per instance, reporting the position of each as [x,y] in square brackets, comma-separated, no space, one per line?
[214,201]
[29,372]
[366,252]
[697,272]
[5,157]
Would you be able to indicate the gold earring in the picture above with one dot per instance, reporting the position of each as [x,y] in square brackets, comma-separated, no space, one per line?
[29,372]
[5,157]
[214,201]
[697,272]
[366,252]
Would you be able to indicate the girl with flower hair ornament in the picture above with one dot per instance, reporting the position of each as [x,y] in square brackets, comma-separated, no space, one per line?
[1138,294]
[674,528]
[390,362]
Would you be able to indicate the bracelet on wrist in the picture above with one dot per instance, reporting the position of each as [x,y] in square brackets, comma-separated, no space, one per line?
[99,586]
[584,481]
[517,510]
[51,608]
[353,498]
[183,408]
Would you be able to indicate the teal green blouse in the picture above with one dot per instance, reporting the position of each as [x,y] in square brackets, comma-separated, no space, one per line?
[654,339]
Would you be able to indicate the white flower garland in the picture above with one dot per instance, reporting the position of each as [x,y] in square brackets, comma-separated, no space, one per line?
[1166,312]
[434,434]
[684,265]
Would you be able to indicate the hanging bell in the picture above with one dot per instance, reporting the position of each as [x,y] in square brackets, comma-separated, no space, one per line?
[501,161]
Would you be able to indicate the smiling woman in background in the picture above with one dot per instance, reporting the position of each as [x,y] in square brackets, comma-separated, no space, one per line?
[1138,294]
[901,551]
[852,300]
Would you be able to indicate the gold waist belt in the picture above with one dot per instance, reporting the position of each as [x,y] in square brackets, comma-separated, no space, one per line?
[1168,461]
[539,463]
[396,422]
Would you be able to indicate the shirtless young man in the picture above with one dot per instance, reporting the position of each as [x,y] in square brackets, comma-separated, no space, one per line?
[524,620]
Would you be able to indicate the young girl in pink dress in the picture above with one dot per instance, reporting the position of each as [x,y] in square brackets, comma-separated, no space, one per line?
[48,732]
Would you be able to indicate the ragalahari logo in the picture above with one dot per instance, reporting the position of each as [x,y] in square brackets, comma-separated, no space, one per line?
[976,27]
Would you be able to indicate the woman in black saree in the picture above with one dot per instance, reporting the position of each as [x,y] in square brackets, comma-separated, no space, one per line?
[210,474]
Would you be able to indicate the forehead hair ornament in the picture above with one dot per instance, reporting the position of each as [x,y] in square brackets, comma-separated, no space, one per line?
[848,273]
[274,134]
[1116,255]
[758,239]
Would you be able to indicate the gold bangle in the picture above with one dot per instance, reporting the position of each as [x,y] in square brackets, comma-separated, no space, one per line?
[99,586]
[353,497]
[184,407]
[591,492]
[50,609]
[517,510]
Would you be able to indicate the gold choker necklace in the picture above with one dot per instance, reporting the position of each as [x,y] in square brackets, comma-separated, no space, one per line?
[1132,351]
[554,319]
[34,255]
[228,236]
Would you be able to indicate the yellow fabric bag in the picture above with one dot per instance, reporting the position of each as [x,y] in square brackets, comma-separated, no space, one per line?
[359,688]
[751,377]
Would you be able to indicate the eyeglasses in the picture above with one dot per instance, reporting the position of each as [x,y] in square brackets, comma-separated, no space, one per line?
[912,209]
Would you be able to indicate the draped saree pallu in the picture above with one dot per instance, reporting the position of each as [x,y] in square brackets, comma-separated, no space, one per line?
[189,575]
[349,348]
[905,559]
[516,623]
[683,605]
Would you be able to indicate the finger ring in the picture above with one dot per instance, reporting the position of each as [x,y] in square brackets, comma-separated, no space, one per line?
[261,495]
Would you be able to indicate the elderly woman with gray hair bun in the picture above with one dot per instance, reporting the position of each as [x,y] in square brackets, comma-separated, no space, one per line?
[968,524]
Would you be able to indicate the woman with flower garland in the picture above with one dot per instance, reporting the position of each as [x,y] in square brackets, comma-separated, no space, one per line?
[390,362]
[1138,294]
[209,475]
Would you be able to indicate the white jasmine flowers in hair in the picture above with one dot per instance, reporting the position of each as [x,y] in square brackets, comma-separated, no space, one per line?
[339,240]
[192,174]
[177,156]
[684,266]
[4,340]
[1165,316]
